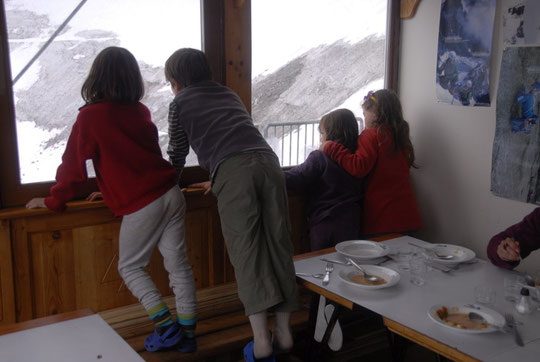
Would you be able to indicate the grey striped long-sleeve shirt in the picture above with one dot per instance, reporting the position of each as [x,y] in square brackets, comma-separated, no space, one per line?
[178,148]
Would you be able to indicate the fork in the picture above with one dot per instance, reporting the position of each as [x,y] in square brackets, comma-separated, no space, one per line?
[511,326]
[329,269]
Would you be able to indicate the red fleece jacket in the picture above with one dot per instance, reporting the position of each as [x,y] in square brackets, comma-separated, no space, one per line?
[122,142]
[389,203]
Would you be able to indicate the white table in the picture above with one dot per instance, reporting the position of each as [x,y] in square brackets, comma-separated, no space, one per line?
[83,339]
[405,306]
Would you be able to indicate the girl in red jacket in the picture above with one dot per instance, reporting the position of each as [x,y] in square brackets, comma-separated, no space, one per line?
[116,132]
[384,156]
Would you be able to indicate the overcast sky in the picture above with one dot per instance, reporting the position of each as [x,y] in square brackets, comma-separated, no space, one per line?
[152,30]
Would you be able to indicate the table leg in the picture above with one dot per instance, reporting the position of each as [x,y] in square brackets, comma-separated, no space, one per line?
[398,346]
[313,347]
[331,323]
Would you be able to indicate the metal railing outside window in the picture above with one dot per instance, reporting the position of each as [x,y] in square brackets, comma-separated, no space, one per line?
[294,141]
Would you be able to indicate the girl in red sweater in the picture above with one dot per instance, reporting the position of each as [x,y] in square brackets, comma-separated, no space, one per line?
[384,156]
[116,132]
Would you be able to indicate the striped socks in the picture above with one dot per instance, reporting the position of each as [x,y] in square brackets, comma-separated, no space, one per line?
[188,322]
[163,320]
[161,316]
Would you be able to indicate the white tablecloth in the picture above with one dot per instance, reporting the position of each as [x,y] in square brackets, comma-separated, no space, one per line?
[86,339]
[408,304]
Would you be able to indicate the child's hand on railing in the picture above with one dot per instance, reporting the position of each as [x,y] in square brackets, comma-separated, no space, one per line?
[36,203]
[94,196]
[206,185]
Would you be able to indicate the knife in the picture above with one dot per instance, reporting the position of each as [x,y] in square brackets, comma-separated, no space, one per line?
[335,261]
[444,269]
[420,246]
[511,324]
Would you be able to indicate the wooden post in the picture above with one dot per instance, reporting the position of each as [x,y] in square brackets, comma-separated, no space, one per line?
[238,48]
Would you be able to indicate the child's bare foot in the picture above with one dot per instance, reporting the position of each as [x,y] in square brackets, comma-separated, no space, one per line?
[282,340]
[262,350]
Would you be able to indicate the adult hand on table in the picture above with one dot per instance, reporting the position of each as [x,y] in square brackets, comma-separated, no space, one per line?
[508,250]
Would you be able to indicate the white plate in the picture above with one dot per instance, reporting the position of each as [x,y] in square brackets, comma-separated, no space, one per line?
[362,249]
[494,318]
[391,276]
[459,253]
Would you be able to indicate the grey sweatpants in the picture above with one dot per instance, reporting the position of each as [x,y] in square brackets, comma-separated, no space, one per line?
[254,213]
[159,223]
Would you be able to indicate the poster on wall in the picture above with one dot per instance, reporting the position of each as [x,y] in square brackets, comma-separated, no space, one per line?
[515,167]
[520,22]
[464,49]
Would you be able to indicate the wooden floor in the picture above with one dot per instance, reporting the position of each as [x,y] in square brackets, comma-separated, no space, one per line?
[223,330]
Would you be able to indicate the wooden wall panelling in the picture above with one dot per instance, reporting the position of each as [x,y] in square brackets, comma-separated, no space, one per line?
[7,291]
[68,261]
[98,284]
[216,250]
[21,271]
[70,220]
[197,244]
[52,266]
[297,215]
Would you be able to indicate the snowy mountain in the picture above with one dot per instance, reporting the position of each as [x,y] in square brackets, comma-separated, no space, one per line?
[47,96]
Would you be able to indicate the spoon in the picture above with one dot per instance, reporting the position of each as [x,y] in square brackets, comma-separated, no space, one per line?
[368,277]
[444,257]
[318,276]
[440,256]
[475,316]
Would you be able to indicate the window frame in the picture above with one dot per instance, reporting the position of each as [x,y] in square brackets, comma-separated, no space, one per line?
[226,39]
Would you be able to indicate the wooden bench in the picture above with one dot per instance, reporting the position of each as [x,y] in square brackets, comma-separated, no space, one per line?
[222,327]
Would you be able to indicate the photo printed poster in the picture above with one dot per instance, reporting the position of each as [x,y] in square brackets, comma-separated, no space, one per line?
[516,149]
[521,24]
[465,33]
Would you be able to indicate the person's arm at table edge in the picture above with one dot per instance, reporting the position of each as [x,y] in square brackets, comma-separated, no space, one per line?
[526,232]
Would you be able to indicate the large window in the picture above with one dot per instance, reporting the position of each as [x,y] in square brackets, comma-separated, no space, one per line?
[52,45]
[317,56]
[283,39]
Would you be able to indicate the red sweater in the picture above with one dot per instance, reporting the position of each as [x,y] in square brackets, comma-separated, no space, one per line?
[122,142]
[389,203]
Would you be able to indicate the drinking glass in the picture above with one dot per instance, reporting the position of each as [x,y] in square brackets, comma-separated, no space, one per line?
[417,271]
[403,257]
[485,295]
[512,287]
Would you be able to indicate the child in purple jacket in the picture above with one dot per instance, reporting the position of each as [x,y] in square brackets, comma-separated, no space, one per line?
[507,248]
[334,196]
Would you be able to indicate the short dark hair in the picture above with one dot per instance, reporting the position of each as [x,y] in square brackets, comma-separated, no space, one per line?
[341,126]
[114,76]
[187,66]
